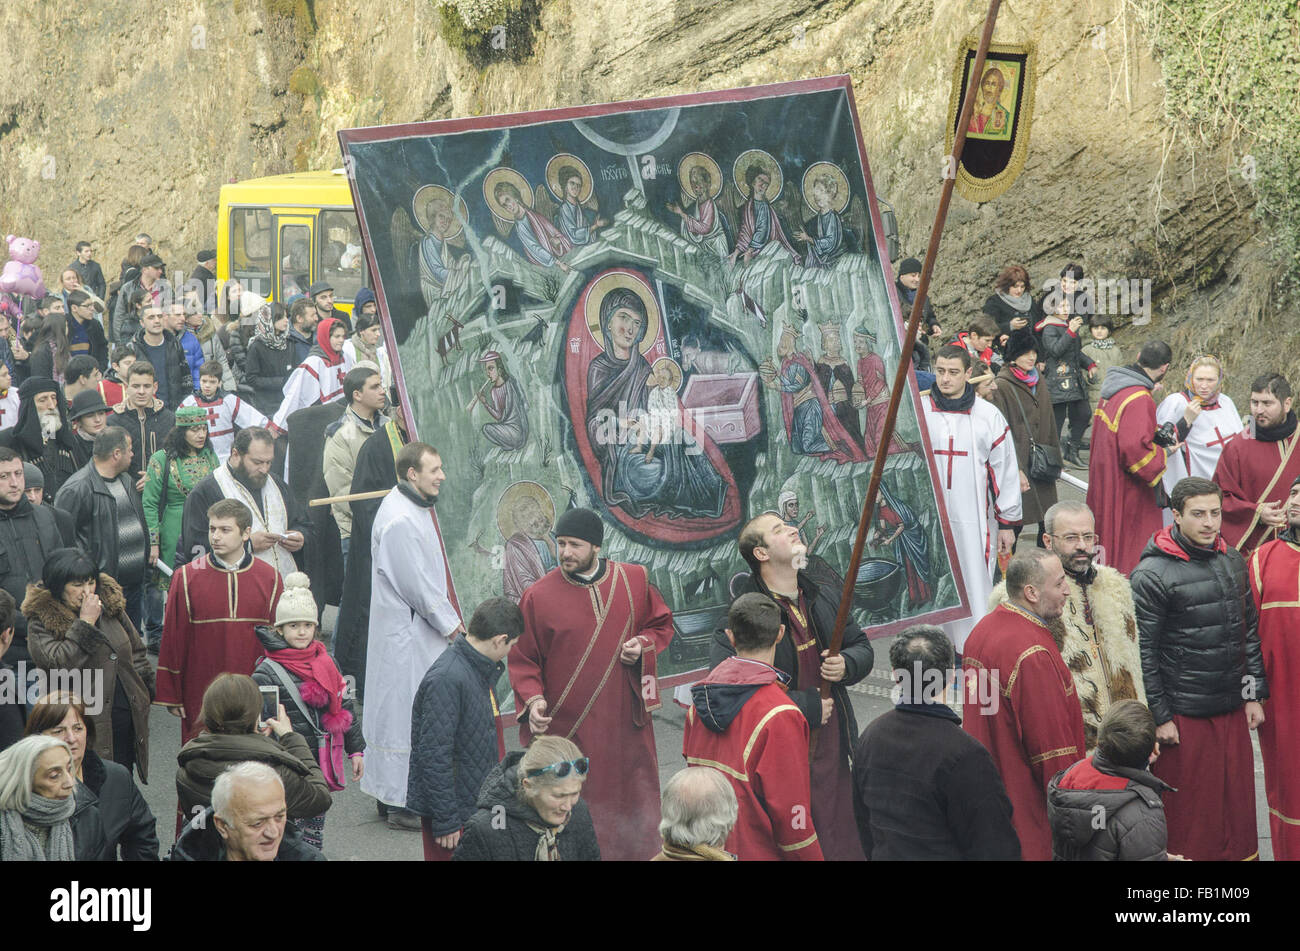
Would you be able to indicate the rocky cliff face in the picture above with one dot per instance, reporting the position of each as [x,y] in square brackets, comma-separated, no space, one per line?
[118,117]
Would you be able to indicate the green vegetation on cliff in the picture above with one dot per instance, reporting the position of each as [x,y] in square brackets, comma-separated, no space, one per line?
[1232,73]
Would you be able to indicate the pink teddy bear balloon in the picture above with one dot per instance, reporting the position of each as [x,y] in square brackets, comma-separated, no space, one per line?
[21,275]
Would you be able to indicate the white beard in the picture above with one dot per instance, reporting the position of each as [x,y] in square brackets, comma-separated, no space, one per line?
[799,557]
[50,424]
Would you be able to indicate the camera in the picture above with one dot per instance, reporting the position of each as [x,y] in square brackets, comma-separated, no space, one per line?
[1166,436]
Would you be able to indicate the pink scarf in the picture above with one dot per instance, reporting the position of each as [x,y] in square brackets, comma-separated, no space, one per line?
[321,686]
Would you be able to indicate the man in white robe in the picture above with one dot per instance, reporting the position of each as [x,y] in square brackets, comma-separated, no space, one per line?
[413,617]
[976,462]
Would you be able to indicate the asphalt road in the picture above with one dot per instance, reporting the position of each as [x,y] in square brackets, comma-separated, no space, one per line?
[354,831]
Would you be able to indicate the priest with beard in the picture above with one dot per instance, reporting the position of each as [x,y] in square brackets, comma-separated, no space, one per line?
[585,669]
[1097,632]
[1020,698]
[1124,464]
[1274,570]
[42,434]
[1256,468]
[280,525]
[777,561]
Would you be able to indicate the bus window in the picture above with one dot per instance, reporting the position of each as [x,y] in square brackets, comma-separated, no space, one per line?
[295,259]
[250,248]
[342,262]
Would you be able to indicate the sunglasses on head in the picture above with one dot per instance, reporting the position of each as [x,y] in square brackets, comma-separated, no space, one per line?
[562,768]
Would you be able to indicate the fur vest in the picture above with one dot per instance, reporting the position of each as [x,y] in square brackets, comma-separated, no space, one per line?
[1098,640]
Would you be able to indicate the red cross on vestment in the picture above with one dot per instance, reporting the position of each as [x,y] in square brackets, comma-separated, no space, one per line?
[1222,440]
[950,452]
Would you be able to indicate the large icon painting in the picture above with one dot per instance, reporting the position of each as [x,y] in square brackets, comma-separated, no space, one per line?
[676,312]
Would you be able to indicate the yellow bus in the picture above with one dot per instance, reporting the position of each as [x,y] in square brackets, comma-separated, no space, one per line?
[279,235]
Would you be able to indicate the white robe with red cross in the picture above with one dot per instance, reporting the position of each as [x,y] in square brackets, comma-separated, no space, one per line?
[1199,454]
[224,414]
[976,462]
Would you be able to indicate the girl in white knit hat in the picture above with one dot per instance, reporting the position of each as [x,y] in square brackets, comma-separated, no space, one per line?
[314,694]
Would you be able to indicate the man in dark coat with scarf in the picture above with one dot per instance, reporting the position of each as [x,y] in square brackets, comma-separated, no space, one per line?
[776,557]
[323,559]
[375,470]
[42,435]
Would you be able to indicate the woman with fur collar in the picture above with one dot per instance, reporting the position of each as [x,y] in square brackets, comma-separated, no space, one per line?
[76,620]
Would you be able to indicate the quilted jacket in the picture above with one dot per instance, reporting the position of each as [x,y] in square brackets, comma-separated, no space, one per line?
[1197,628]
[453,737]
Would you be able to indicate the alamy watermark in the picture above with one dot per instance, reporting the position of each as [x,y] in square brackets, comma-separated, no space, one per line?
[26,685]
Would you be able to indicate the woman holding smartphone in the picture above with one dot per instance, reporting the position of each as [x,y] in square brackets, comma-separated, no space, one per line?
[232,709]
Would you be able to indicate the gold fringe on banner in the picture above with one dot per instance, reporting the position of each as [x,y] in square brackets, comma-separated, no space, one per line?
[981,189]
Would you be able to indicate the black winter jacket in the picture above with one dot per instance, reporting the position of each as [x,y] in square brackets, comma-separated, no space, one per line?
[86,497]
[857,652]
[147,435]
[89,843]
[1197,627]
[1067,365]
[128,822]
[180,381]
[308,725]
[201,842]
[453,736]
[482,842]
[1003,313]
[925,789]
[1129,800]
[266,371]
[28,534]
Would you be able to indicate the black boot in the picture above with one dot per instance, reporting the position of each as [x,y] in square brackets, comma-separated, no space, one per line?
[1071,453]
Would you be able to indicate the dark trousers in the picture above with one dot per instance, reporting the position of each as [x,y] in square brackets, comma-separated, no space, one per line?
[1042,527]
[134,595]
[123,730]
[1079,414]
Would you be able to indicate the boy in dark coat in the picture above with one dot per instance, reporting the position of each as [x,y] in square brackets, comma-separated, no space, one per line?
[1116,785]
[456,733]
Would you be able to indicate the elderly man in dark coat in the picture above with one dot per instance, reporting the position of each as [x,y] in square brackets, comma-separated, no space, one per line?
[43,436]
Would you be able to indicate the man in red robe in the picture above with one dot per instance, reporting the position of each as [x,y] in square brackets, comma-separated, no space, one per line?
[872,391]
[743,725]
[1255,470]
[1198,633]
[1125,465]
[1020,697]
[585,669]
[213,605]
[1275,583]
[777,562]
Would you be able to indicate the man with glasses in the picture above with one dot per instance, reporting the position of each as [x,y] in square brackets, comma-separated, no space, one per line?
[1097,631]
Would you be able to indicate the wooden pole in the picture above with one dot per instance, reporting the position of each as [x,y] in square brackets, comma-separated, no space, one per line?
[358,497]
[909,341]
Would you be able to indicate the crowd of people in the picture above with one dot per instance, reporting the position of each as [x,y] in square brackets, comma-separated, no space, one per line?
[158,458]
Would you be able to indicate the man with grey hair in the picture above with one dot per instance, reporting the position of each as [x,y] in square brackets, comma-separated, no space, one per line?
[1020,698]
[1097,632]
[699,811]
[924,789]
[247,822]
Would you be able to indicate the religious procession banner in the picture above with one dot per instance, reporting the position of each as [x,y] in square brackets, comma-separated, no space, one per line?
[675,312]
[997,138]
